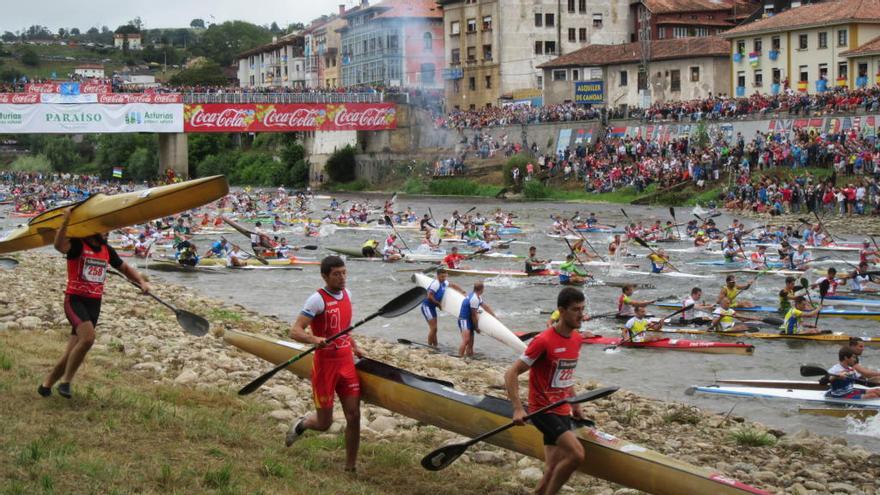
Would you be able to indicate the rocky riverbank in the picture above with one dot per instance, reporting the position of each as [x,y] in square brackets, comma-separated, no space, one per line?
[153,344]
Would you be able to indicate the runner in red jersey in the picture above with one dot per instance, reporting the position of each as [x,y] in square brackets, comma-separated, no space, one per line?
[551,359]
[328,312]
[87,261]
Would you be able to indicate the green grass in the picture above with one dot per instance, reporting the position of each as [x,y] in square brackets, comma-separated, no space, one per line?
[353,186]
[224,314]
[704,197]
[683,415]
[462,187]
[5,362]
[751,437]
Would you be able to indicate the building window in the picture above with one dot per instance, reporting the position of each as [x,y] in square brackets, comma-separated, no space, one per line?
[549,48]
[472,25]
[597,20]
[775,43]
[661,33]
[802,41]
[841,38]
[454,28]
[539,20]
[572,34]
[540,82]
[642,80]
[488,82]
[740,79]
[428,42]
[777,76]
[456,87]
[674,80]
[487,52]
[539,48]
[472,83]
[471,54]
[549,20]
[803,74]
[823,39]
[582,34]
[823,71]
[571,6]
[695,74]
[559,75]
[428,72]
[680,32]
[487,23]
[701,31]
[456,56]
[759,78]
[624,78]
[741,47]
[758,45]
[575,75]
[582,6]
[843,70]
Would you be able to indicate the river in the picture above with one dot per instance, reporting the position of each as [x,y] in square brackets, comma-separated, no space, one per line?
[660,374]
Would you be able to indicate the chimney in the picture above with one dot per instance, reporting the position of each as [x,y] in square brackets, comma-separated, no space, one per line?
[341,8]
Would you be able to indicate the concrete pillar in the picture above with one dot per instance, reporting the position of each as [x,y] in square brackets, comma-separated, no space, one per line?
[174,154]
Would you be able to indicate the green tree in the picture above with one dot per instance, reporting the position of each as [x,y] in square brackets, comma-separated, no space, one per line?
[197,24]
[10,74]
[143,164]
[62,154]
[209,74]
[74,32]
[340,166]
[223,42]
[298,175]
[9,37]
[114,150]
[202,146]
[29,57]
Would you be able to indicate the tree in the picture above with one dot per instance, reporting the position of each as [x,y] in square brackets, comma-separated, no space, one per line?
[208,74]
[61,152]
[274,29]
[127,29]
[137,23]
[29,57]
[74,32]
[197,24]
[223,42]
[340,166]
[9,37]
[62,33]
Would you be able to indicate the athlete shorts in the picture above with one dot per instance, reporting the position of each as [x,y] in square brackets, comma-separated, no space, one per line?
[79,309]
[429,311]
[856,393]
[551,425]
[368,252]
[333,375]
[465,324]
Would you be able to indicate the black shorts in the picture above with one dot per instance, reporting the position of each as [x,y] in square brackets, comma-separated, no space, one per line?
[368,251]
[79,309]
[551,425]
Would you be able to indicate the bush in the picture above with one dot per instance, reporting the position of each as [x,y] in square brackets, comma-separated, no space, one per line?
[223,164]
[415,185]
[203,145]
[259,169]
[340,167]
[298,176]
[355,185]
[142,165]
[516,161]
[461,187]
[29,57]
[752,437]
[533,189]
[38,163]
[62,153]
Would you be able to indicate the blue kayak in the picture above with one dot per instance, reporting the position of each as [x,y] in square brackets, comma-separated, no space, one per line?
[733,264]
[826,312]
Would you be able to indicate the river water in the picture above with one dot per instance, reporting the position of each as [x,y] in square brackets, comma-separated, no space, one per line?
[660,374]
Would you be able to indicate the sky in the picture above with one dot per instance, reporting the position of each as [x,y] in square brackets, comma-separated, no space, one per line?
[18,15]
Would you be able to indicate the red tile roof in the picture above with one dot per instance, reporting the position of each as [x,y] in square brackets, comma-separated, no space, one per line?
[708,46]
[693,22]
[816,14]
[401,8]
[870,48]
[676,6]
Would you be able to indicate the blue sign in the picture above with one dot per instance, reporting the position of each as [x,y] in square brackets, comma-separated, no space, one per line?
[589,92]
[453,73]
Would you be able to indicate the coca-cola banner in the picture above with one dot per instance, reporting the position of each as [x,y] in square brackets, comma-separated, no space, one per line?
[87,118]
[87,87]
[105,98]
[125,98]
[252,117]
[19,98]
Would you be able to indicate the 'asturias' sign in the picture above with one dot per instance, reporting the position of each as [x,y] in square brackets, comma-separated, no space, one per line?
[589,92]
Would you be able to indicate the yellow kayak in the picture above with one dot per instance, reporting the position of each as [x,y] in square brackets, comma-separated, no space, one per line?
[102,213]
[254,262]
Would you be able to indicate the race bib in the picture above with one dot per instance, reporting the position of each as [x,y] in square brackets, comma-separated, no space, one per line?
[563,377]
[94,270]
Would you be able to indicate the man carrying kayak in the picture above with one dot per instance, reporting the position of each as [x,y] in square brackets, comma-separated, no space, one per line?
[469,318]
[327,312]
[731,290]
[551,359]
[87,260]
[436,290]
[792,325]
[843,376]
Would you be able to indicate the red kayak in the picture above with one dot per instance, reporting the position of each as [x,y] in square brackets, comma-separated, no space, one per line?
[678,345]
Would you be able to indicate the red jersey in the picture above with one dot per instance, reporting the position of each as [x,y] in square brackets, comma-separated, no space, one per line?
[452,260]
[335,318]
[552,359]
[87,268]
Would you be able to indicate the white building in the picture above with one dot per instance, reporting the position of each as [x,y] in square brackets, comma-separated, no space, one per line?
[134,41]
[279,64]
[808,48]
[89,71]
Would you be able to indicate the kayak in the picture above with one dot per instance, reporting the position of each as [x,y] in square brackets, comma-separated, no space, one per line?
[101,213]
[678,345]
[664,274]
[599,229]
[265,241]
[789,384]
[836,247]
[828,312]
[439,403]
[489,325]
[840,412]
[840,300]
[752,271]
[501,273]
[830,338]
[786,393]
[733,264]
[255,262]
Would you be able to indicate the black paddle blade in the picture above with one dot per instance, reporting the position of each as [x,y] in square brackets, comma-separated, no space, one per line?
[443,457]
[813,370]
[805,284]
[526,336]
[192,323]
[388,220]
[641,242]
[772,321]
[310,247]
[256,384]
[823,287]
[592,395]
[8,263]
[403,303]
[699,218]
[672,212]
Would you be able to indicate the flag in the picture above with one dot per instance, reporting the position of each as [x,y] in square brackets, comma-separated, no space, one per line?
[117,172]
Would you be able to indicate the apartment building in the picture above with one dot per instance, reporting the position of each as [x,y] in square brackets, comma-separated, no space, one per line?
[278,64]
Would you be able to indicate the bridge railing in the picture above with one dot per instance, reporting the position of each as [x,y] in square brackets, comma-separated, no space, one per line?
[283,97]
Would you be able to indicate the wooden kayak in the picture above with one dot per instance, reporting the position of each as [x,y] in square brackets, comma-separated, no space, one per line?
[437,402]
[702,346]
[101,213]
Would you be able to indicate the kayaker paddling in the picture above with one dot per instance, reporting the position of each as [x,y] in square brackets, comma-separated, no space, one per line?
[857,344]
[731,290]
[533,263]
[626,305]
[692,303]
[792,324]
[636,328]
[843,376]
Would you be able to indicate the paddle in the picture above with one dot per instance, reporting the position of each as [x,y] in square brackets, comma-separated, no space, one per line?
[388,222]
[444,456]
[8,263]
[571,248]
[805,286]
[396,307]
[470,256]
[308,247]
[410,342]
[252,254]
[191,322]
[456,222]
[667,317]
[576,232]
[672,212]
[823,291]
[816,370]
[644,244]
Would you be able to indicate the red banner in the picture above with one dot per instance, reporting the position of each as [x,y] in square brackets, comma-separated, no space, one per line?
[251,117]
[86,87]
[19,98]
[126,98]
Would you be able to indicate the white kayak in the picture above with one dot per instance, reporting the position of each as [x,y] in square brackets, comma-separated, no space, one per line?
[662,274]
[786,393]
[489,325]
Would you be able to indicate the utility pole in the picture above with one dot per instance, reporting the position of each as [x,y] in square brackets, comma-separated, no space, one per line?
[645,45]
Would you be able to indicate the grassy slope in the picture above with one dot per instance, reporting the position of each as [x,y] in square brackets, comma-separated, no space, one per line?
[44,70]
[121,433]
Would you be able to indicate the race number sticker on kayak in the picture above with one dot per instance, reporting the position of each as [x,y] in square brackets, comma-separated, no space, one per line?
[94,270]
[563,377]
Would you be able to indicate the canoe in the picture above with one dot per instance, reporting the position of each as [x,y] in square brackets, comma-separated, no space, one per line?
[265,241]
[254,262]
[702,346]
[663,274]
[438,403]
[101,213]
[827,338]
[786,393]
[790,384]
[827,312]
[752,271]
[430,256]
[489,325]
[501,273]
